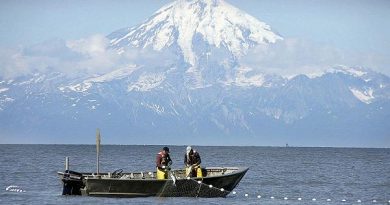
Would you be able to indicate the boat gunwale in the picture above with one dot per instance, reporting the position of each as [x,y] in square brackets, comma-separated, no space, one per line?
[237,170]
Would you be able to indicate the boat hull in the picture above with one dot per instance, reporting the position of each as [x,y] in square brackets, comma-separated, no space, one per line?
[210,186]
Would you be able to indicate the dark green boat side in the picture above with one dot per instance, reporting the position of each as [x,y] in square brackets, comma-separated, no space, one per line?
[218,182]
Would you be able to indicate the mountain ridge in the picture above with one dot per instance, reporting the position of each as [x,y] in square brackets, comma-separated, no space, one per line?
[210,98]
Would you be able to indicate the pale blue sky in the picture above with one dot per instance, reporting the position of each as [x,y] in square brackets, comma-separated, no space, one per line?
[351,25]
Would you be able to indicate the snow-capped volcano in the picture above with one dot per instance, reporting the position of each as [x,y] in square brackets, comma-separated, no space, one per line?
[184,24]
[207,36]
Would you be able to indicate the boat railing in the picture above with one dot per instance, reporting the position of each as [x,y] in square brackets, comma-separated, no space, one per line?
[178,173]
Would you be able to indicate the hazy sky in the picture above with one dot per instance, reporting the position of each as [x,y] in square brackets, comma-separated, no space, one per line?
[361,27]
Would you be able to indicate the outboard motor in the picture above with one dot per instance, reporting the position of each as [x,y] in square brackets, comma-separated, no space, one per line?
[73,182]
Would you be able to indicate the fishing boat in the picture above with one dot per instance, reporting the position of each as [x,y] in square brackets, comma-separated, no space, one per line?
[215,182]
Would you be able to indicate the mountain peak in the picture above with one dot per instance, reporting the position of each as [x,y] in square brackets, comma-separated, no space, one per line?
[184,24]
[203,3]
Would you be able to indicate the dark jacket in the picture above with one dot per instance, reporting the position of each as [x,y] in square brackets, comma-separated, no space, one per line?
[193,159]
[163,160]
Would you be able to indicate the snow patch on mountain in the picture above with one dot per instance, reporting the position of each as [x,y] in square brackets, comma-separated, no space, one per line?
[353,71]
[80,87]
[3,90]
[154,107]
[194,78]
[356,72]
[5,100]
[108,77]
[114,75]
[275,113]
[315,75]
[147,82]
[245,79]
[365,96]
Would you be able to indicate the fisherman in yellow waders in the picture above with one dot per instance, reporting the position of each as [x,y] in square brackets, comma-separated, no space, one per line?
[192,162]
[163,163]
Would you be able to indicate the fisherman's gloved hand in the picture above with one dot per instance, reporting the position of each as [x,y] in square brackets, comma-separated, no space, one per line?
[166,167]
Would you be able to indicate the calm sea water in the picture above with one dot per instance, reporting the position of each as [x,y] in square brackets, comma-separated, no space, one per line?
[308,173]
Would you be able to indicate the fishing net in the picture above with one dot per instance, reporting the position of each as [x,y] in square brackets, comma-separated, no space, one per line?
[191,188]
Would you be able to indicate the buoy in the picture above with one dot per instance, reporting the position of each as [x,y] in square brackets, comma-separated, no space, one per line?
[374,201]
[285,198]
[328,200]
[234,192]
[10,187]
[222,189]
[343,200]
[299,199]
[210,186]
[272,197]
[359,201]
[13,188]
[246,195]
[314,199]
[258,196]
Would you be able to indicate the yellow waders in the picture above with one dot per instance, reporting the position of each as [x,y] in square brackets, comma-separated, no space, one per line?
[162,174]
[198,170]
[199,173]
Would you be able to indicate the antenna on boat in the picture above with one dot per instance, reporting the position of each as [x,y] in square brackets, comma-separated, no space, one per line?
[97,150]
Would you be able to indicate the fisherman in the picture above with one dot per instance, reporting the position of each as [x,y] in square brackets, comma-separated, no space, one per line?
[163,163]
[192,162]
